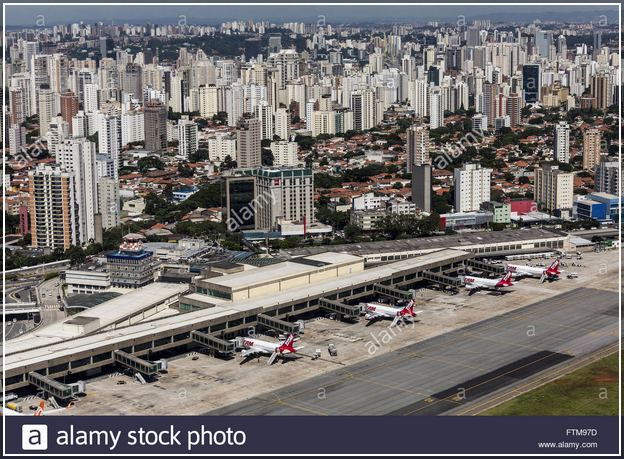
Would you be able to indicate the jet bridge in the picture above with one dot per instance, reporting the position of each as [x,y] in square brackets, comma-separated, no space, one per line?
[55,388]
[393,292]
[486,267]
[439,278]
[278,324]
[138,364]
[212,342]
[347,310]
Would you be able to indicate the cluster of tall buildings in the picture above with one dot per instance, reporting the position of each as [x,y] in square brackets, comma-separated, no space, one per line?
[90,109]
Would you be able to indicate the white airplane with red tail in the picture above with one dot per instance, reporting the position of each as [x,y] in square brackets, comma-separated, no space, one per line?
[375,311]
[480,283]
[7,411]
[255,346]
[552,272]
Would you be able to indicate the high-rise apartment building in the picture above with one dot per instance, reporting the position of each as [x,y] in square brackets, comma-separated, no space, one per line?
[155,124]
[417,147]
[592,140]
[472,187]
[554,189]
[561,142]
[187,138]
[53,208]
[284,153]
[248,145]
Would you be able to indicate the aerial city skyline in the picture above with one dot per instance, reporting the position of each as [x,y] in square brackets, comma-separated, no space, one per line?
[378,202]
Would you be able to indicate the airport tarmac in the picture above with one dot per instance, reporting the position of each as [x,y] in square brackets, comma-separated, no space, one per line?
[395,376]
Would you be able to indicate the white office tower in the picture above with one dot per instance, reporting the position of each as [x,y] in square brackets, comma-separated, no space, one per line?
[287,62]
[472,187]
[554,189]
[284,153]
[52,225]
[561,142]
[479,122]
[436,110]
[108,202]
[57,133]
[17,138]
[91,98]
[80,125]
[234,103]
[309,111]
[417,147]
[79,156]
[323,122]
[363,107]
[221,146]
[264,114]
[109,138]
[187,138]
[132,127]
[208,101]
[47,109]
[281,123]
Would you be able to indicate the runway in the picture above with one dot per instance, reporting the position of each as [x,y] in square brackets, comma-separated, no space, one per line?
[442,373]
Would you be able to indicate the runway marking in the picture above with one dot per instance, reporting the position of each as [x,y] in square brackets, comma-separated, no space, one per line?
[497,321]
[610,349]
[600,335]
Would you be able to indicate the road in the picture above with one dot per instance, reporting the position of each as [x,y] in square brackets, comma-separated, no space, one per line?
[44,293]
[451,370]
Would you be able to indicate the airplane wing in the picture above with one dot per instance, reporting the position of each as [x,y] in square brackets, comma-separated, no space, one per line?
[272,358]
[374,315]
[250,351]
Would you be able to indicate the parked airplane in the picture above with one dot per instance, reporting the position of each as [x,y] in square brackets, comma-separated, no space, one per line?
[8,411]
[375,311]
[255,346]
[552,272]
[477,283]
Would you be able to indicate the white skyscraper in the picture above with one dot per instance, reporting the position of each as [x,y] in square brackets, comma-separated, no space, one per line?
[79,156]
[561,142]
[108,202]
[132,127]
[284,153]
[187,138]
[436,110]
[264,114]
[109,137]
[91,98]
[472,187]
[47,109]
[282,123]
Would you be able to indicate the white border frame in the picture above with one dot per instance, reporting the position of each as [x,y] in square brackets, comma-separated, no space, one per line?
[562,4]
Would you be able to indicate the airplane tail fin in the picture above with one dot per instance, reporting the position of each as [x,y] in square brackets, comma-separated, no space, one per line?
[506,280]
[288,344]
[554,268]
[409,309]
[39,411]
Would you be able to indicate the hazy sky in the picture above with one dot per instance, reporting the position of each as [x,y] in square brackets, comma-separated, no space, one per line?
[25,15]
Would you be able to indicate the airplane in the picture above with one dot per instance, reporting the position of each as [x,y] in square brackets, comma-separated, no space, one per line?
[552,272]
[7,411]
[375,311]
[255,346]
[476,283]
